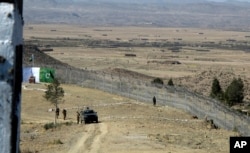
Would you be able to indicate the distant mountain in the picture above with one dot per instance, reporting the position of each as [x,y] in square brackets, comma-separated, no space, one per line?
[161,13]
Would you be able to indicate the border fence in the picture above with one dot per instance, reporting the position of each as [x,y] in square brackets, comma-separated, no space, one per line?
[177,97]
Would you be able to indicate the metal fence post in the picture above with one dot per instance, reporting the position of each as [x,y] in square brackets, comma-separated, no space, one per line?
[111,84]
[103,81]
[225,118]
[235,126]
[11,51]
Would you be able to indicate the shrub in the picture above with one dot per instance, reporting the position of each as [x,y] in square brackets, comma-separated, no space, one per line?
[235,92]
[68,123]
[235,129]
[58,141]
[216,91]
[49,126]
[27,151]
[157,81]
[170,82]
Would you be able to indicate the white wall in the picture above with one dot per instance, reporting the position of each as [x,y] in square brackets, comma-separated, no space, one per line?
[10,37]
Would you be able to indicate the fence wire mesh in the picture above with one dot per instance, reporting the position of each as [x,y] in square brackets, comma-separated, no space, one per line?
[176,97]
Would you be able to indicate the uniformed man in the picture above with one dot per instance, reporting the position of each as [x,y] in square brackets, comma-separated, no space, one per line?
[154,101]
[64,114]
[57,112]
[78,117]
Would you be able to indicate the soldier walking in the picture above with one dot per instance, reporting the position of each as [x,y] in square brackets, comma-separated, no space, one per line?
[64,114]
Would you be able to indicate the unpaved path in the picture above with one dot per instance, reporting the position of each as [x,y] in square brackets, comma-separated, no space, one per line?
[89,141]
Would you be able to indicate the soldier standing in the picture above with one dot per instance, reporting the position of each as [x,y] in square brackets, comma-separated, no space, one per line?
[154,101]
[57,112]
[64,114]
[78,117]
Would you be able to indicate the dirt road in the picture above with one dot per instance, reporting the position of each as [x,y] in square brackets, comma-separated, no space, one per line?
[90,140]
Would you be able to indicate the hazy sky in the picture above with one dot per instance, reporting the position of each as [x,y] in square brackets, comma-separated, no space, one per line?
[227,0]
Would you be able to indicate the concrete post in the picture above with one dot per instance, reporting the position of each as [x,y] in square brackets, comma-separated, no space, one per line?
[11,50]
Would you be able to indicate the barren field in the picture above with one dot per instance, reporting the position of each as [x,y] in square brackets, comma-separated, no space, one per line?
[202,54]
[126,126]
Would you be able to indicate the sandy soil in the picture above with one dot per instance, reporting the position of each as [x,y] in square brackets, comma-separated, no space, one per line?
[126,126]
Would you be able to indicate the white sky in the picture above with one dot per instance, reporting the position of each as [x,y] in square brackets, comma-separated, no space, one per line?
[226,0]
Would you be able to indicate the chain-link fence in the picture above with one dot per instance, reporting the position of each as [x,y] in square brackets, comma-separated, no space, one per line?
[166,95]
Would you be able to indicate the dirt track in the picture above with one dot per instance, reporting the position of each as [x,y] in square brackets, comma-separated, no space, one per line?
[126,126]
[91,139]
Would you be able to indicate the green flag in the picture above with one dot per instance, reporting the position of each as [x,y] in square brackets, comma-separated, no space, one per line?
[47,74]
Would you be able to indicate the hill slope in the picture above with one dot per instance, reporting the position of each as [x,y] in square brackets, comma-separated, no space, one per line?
[198,14]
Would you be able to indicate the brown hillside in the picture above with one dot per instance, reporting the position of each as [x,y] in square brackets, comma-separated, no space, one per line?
[40,58]
[199,83]
[202,82]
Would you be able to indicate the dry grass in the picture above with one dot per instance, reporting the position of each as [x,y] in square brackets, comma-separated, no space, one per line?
[153,61]
[125,126]
[129,33]
[102,58]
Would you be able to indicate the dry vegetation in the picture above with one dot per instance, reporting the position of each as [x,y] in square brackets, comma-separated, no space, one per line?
[127,125]
[203,54]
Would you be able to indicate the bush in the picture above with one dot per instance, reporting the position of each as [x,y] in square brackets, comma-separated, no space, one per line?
[157,81]
[49,126]
[28,151]
[68,123]
[170,82]
[235,92]
[58,141]
[216,91]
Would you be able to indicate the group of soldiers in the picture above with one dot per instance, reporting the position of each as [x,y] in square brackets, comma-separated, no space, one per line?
[64,112]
